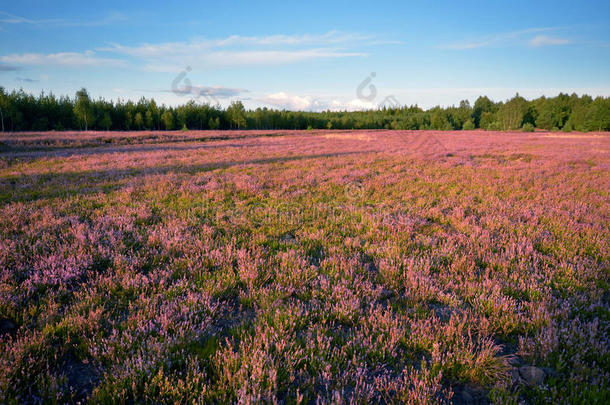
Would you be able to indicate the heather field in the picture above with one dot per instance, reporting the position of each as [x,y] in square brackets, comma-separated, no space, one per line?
[312,267]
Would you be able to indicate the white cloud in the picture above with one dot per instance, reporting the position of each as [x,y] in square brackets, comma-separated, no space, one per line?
[7,18]
[331,38]
[66,59]
[328,38]
[232,51]
[544,40]
[352,105]
[287,101]
[498,39]
[238,50]
[283,100]
[223,59]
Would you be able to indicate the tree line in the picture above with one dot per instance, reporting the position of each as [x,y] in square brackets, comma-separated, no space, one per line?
[20,111]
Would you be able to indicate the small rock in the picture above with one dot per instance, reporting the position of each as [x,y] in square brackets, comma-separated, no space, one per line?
[7,326]
[288,237]
[532,375]
[466,397]
[515,379]
[470,395]
[549,372]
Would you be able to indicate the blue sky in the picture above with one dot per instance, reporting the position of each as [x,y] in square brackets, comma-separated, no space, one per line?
[307,55]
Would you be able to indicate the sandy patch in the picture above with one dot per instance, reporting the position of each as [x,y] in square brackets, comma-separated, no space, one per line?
[358,137]
[572,136]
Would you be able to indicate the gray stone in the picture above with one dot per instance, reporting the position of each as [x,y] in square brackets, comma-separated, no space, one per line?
[550,372]
[532,375]
[466,397]
[288,237]
[515,379]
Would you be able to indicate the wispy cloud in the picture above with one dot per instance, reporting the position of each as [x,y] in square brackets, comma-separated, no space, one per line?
[509,38]
[204,91]
[9,68]
[202,53]
[260,57]
[217,91]
[26,80]
[7,18]
[544,40]
[238,50]
[329,38]
[65,59]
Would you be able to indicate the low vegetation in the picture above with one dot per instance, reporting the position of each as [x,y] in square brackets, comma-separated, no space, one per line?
[305,267]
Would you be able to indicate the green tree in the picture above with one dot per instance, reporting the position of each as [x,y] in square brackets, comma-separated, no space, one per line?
[598,115]
[468,125]
[3,105]
[106,122]
[463,114]
[482,105]
[214,123]
[439,119]
[258,118]
[488,120]
[150,122]
[20,111]
[168,120]
[527,127]
[82,107]
[553,112]
[578,115]
[511,113]
[138,120]
[237,114]
[152,115]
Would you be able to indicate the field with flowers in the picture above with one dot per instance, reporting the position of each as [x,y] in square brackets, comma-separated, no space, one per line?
[305,267]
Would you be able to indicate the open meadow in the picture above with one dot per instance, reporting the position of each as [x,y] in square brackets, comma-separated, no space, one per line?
[365,266]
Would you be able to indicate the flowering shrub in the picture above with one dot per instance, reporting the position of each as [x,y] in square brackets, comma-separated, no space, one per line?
[304,267]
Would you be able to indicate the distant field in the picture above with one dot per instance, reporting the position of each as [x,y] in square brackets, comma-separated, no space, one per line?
[305,267]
